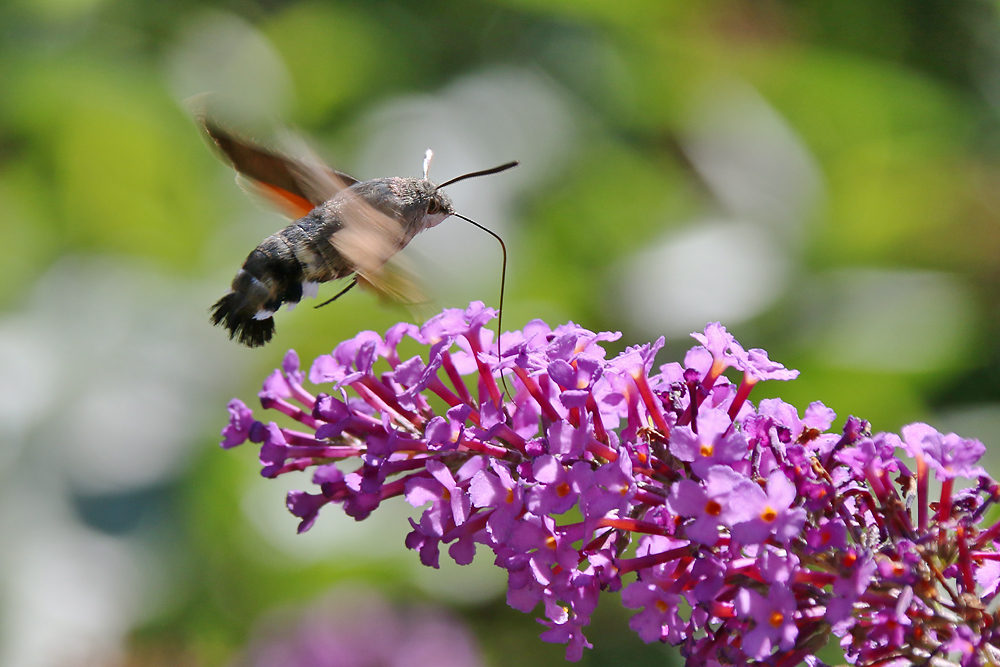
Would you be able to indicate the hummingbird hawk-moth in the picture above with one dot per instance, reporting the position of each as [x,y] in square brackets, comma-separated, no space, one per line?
[342,228]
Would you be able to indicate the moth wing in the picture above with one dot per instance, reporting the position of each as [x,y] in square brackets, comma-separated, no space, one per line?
[287,203]
[295,186]
[370,240]
[396,282]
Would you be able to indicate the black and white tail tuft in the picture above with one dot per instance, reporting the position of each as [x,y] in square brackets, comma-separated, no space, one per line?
[231,312]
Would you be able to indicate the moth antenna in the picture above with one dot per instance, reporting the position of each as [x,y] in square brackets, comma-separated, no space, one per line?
[428,156]
[474,174]
[503,277]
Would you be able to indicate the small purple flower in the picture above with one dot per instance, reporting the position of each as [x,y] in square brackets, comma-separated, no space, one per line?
[827,534]
[569,632]
[846,590]
[611,491]
[240,422]
[554,491]
[964,642]
[774,620]
[988,577]
[722,347]
[660,618]
[762,515]
[949,455]
[757,367]
[708,504]
[450,507]
[716,442]
[305,506]
[349,361]
[495,488]
[567,441]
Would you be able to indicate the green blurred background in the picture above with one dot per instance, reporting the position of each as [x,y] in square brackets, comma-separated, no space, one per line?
[822,177]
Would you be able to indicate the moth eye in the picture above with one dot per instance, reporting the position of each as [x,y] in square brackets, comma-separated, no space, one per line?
[433,207]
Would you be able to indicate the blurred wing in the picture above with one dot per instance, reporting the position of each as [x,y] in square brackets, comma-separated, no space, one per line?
[287,203]
[294,186]
[369,240]
[396,282]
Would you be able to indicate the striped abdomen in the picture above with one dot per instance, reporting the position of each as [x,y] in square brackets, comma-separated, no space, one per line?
[280,270]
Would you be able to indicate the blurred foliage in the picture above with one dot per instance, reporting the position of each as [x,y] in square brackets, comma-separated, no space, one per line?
[895,101]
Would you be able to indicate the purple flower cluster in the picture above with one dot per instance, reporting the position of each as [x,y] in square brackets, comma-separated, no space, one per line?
[740,533]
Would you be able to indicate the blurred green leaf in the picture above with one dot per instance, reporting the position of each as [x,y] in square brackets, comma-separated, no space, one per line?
[125,166]
[612,202]
[336,55]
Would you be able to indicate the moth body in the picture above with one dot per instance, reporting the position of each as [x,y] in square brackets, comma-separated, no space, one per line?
[343,228]
[292,262]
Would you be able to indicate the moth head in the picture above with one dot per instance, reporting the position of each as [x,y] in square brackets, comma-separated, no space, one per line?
[439,207]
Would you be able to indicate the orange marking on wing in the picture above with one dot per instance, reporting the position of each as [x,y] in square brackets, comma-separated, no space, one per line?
[291,203]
